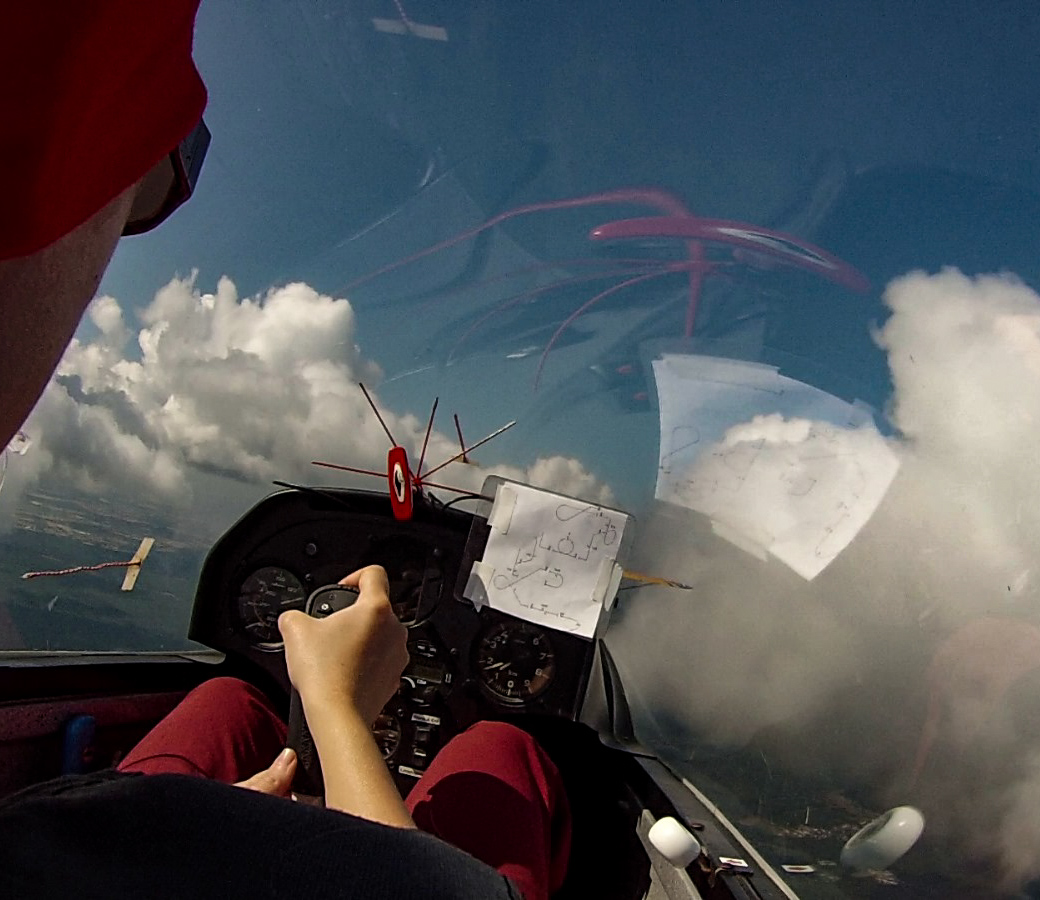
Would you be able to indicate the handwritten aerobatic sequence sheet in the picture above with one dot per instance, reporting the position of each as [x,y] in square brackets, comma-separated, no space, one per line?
[549,559]
[780,467]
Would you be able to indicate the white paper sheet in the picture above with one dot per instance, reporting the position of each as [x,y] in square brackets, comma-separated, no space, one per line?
[549,559]
[780,465]
[19,445]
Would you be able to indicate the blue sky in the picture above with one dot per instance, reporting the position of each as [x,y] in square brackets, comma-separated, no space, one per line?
[338,149]
[896,135]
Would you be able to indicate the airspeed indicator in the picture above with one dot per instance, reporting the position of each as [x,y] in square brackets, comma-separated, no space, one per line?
[263,597]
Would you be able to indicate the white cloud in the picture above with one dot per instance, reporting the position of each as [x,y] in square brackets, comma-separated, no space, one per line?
[965,361]
[829,676]
[254,388]
[258,387]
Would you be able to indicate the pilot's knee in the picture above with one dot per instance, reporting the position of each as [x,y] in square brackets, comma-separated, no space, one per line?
[225,696]
[501,734]
[225,687]
[498,745]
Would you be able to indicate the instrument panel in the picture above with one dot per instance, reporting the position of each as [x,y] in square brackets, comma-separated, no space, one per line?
[464,665]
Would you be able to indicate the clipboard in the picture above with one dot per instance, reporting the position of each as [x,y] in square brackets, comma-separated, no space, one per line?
[545,557]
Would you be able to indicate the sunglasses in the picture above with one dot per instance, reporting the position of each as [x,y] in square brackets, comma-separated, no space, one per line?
[170,183]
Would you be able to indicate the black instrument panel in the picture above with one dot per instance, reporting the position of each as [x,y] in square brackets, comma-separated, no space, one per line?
[465,665]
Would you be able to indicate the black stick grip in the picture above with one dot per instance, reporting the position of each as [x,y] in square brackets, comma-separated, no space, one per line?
[308,780]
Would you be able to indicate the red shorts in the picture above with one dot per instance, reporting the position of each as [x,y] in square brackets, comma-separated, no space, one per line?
[491,790]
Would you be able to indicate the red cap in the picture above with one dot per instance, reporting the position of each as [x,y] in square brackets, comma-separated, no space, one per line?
[94,95]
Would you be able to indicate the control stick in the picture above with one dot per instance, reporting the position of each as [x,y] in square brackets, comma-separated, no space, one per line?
[308,781]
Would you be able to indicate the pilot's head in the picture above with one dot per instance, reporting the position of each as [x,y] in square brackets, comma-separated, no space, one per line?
[103,137]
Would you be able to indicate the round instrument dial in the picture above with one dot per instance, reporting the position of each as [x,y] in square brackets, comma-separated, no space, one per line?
[263,597]
[404,599]
[387,732]
[411,571]
[515,661]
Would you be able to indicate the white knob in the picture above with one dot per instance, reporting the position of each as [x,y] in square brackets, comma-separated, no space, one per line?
[674,842]
[880,843]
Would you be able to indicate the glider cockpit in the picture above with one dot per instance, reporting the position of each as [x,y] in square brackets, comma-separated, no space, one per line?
[465,665]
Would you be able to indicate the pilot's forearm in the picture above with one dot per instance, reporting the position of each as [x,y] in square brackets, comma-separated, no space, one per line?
[357,780]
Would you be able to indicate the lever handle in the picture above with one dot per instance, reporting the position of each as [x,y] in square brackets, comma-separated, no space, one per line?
[323,602]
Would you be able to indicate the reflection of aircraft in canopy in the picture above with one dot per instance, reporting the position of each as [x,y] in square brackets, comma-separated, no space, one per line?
[638,820]
[468,664]
[742,244]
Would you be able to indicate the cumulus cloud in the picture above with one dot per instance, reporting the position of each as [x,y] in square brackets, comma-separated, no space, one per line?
[831,676]
[965,361]
[249,388]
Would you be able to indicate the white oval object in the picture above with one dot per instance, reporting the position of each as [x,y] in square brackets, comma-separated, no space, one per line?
[671,839]
[880,843]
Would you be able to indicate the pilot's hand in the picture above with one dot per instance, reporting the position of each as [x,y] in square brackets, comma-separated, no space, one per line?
[276,779]
[353,657]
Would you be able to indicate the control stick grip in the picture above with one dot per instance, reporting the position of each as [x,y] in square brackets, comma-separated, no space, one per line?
[308,780]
